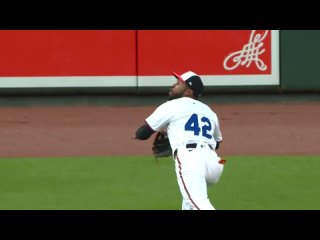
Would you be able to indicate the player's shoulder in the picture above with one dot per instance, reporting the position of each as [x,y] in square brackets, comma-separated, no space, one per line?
[185,101]
[180,102]
[177,101]
[206,107]
[168,104]
[202,104]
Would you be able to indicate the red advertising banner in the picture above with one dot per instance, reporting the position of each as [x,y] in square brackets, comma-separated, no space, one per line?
[221,57]
[49,53]
[215,52]
[136,58]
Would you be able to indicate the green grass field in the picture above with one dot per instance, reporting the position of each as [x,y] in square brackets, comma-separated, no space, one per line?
[141,183]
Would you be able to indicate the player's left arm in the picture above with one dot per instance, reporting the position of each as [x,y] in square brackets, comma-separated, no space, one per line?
[218,145]
[217,134]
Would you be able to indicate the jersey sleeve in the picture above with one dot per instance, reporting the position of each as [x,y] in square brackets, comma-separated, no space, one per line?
[159,119]
[217,132]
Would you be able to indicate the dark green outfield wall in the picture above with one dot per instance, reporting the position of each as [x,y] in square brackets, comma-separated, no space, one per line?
[300,60]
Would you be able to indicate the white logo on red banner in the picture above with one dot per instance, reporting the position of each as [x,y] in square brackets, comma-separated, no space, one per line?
[249,53]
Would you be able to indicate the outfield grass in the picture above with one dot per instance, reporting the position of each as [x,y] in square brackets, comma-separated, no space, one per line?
[138,183]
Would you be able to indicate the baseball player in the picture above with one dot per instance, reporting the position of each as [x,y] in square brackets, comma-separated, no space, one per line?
[194,134]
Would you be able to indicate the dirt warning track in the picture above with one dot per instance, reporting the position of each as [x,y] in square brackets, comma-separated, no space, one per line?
[248,129]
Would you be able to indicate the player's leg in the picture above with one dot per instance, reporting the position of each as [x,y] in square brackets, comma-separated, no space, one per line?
[194,193]
[214,169]
[190,170]
[185,205]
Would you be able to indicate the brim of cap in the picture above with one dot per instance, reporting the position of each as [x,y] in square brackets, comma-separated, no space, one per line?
[178,77]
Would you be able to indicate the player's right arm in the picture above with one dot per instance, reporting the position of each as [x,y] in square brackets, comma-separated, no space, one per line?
[155,122]
[144,132]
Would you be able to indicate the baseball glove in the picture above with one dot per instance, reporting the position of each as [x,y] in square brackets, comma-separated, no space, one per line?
[161,145]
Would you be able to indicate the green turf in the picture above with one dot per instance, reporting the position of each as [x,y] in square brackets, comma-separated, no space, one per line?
[272,183]
[138,183]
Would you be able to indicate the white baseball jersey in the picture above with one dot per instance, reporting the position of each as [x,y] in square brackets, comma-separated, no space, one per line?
[187,121]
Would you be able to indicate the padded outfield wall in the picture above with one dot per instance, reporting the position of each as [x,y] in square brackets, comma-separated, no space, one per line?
[300,60]
[139,62]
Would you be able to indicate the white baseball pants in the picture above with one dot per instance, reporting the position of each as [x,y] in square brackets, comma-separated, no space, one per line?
[196,168]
